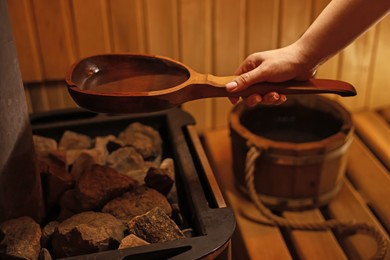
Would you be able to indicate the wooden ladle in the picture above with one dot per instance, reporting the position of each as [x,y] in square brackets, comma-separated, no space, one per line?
[132,83]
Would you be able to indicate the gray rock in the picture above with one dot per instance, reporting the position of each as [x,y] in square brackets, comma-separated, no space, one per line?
[44,144]
[125,160]
[20,239]
[137,202]
[132,241]
[155,227]
[144,139]
[100,184]
[44,254]
[47,233]
[87,232]
[73,141]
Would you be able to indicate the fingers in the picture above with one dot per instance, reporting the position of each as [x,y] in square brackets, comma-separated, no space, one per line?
[271,98]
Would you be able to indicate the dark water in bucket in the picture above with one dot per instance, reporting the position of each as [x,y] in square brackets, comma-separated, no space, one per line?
[295,124]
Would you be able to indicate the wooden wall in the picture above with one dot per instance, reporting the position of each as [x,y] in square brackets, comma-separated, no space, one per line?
[211,36]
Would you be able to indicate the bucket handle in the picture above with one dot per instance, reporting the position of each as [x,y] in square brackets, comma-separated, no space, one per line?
[346,228]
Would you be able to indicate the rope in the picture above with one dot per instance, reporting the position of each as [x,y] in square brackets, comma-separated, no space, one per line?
[346,228]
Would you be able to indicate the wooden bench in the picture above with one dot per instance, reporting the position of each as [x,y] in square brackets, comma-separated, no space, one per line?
[364,196]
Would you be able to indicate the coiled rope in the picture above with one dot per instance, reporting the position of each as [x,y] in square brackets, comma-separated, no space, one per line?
[344,227]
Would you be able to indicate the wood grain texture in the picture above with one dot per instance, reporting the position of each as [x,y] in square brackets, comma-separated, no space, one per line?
[210,36]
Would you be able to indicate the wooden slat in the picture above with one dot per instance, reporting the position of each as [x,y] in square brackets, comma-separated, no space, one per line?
[91,27]
[228,48]
[375,132]
[55,36]
[379,86]
[261,241]
[295,17]
[128,26]
[27,45]
[371,179]
[162,27]
[348,205]
[262,22]
[385,113]
[356,61]
[196,35]
[314,244]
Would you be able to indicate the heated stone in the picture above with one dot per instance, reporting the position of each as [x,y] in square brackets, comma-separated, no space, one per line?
[162,178]
[44,254]
[155,227]
[132,241]
[100,184]
[98,155]
[74,141]
[44,144]
[69,204]
[137,202]
[55,177]
[144,139]
[20,239]
[125,160]
[47,233]
[82,163]
[87,232]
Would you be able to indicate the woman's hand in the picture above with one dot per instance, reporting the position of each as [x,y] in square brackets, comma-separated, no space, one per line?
[270,66]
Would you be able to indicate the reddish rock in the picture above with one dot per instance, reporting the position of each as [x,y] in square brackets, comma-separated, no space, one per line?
[144,139]
[100,184]
[86,233]
[74,141]
[155,227]
[132,241]
[20,239]
[137,202]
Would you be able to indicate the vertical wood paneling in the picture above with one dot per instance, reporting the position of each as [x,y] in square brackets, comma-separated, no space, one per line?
[380,85]
[195,32]
[355,64]
[128,26]
[229,48]
[55,39]
[295,18]
[262,23]
[211,36]
[24,32]
[91,26]
[162,28]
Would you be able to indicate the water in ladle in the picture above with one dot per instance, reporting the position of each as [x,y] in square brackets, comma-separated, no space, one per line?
[117,81]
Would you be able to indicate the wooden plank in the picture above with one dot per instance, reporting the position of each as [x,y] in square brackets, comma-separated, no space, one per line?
[261,241]
[385,113]
[55,36]
[346,206]
[371,179]
[27,45]
[39,97]
[91,27]
[314,244]
[162,28]
[295,18]
[379,85]
[128,26]
[356,60]
[375,132]
[262,25]
[196,36]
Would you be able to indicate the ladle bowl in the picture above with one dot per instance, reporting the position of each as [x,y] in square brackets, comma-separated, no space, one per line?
[134,83]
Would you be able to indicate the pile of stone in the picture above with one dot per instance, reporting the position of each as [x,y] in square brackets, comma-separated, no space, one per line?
[101,194]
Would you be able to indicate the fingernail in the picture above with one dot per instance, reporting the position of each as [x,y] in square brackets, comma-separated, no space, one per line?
[231,86]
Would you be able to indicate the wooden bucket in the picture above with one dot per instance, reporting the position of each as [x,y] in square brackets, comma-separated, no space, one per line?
[302,145]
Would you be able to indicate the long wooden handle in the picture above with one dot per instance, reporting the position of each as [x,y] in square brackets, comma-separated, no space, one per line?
[311,86]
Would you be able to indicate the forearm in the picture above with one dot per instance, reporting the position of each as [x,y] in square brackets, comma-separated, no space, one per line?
[341,22]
